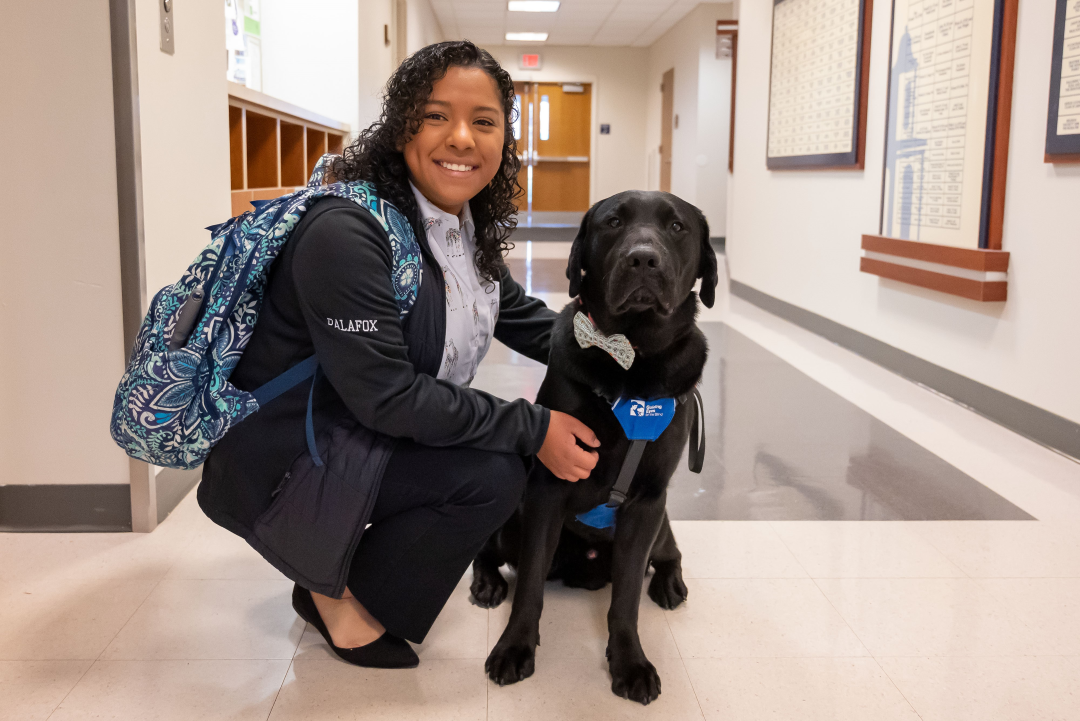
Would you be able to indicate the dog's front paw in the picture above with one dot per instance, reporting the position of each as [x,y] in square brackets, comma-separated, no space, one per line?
[510,664]
[488,590]
[666,587]
[637,681]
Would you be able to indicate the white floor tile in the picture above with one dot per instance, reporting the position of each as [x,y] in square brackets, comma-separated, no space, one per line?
[733,549]
[808,689]
[574,624]
[317,690]
[1025,688]
[929,617]
[1007,549]
[175,691]
[31,557]
[581,689]
[215,553]
[246,619]
[30,690]
[65,619]
[1050,607]
[760,618]
[856,549]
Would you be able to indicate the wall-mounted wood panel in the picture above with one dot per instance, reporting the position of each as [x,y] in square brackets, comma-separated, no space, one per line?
[967,272]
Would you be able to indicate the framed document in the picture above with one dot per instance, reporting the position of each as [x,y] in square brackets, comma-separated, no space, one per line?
[818,83]
[946,144]
[1063,118]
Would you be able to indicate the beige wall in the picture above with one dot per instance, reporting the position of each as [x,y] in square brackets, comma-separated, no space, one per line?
[61,340]
[796,235]
[618,159]
[702,102]
[183,106]
[422,27]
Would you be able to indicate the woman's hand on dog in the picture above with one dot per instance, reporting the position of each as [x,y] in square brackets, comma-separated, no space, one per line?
[561,453]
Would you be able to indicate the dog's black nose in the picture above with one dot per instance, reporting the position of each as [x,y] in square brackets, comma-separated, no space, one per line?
[643,258]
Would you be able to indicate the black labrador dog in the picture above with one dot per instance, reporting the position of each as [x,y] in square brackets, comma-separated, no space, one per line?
[632,268]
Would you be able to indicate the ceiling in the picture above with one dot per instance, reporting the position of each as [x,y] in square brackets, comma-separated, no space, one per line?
[604,23]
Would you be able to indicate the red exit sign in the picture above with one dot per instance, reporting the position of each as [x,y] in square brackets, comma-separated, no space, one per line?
[530,61]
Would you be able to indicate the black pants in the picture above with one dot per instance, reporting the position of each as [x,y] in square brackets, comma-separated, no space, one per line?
[435,509]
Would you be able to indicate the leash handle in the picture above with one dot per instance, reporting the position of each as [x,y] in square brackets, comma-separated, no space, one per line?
[696,456]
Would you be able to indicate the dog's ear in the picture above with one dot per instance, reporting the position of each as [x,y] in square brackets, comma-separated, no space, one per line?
[707,264]
[577,254]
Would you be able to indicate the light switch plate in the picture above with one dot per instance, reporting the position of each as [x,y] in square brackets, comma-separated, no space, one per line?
[166,25]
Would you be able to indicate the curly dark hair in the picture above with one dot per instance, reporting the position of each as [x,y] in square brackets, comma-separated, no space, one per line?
[375,156]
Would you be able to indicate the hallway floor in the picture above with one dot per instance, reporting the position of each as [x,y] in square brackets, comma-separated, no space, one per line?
[857,547]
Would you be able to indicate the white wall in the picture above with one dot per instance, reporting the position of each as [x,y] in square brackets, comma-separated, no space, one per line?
[330,57]
[184,118]
[702,102]
[61,338]
[796,235]
[422,27]
[310,54]
[618,159]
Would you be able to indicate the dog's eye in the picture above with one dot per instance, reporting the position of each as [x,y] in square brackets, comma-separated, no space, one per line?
[614,223]
[677,226]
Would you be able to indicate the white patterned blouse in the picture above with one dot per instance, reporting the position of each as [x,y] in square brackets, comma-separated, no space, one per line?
[472,305]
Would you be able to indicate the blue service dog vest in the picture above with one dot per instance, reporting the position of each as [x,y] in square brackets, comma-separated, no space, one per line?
[642,421]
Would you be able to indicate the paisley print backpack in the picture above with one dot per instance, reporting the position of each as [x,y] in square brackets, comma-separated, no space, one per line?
[174,401]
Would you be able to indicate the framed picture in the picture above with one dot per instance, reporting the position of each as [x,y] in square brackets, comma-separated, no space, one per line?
[1063,118]
[818,84]
[947,129]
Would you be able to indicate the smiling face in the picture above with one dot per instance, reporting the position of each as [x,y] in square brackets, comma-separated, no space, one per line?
[459,147]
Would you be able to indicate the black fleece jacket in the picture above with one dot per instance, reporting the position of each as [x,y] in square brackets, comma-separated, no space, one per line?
[330,293]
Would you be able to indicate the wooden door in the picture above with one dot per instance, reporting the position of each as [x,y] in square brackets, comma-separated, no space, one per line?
[667,110]
[562,121]
[522,126]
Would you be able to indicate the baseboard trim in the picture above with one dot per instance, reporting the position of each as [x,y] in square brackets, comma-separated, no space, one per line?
[1039,425]
[69,508]
[86,507]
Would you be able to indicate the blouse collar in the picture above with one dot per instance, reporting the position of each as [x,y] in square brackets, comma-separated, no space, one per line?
[430,210]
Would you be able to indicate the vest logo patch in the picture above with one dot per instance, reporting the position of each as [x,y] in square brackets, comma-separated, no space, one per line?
[350,325]
[646,410]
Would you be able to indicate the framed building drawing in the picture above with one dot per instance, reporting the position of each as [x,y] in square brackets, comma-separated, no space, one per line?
[946,143]
[946,147]
[1063,116]
[818,84]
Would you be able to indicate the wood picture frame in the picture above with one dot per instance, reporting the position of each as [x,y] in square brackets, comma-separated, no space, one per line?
[816,129]
[1063,113]
[946,159]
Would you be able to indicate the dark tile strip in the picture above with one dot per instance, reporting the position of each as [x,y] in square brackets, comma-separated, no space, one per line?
[86,507]
[1020,416]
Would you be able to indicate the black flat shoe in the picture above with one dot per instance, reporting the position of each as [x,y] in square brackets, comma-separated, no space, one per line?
[387,651]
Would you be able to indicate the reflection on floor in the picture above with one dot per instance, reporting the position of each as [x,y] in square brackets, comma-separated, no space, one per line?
[946,620]
[784,447]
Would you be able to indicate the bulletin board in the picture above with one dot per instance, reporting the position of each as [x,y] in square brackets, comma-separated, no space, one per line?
[946,144]
[1063,116]
[818,84]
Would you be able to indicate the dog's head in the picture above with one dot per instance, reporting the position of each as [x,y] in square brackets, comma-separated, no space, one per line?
[642,251]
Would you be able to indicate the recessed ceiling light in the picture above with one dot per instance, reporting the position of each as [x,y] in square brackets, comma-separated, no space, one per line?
[527,37]
[532,6]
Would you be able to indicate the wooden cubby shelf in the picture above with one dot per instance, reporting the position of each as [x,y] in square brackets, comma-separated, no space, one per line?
[274,145]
